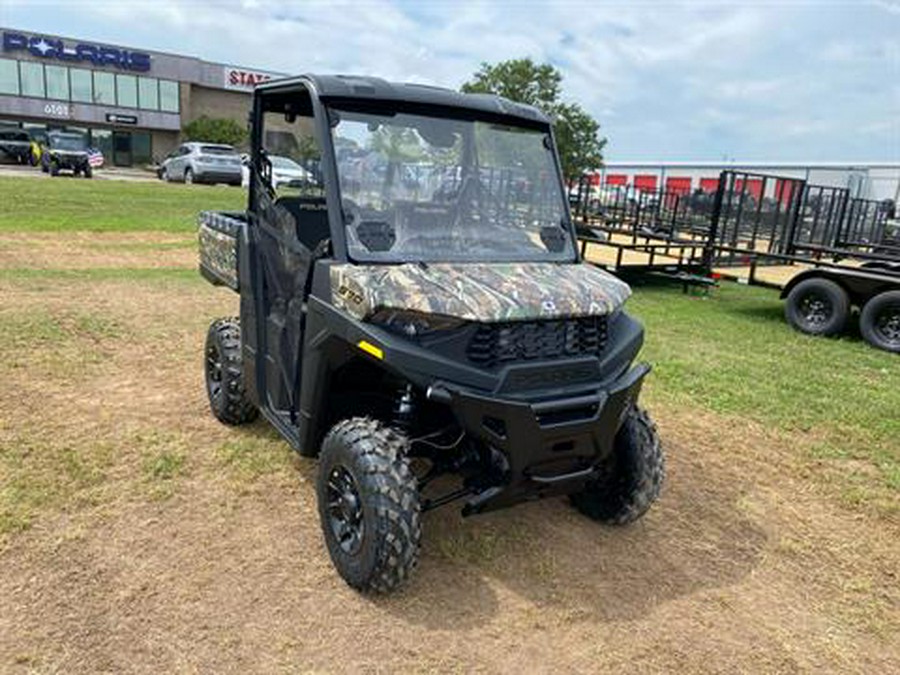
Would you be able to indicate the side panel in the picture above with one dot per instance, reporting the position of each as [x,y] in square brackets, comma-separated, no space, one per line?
[218,235]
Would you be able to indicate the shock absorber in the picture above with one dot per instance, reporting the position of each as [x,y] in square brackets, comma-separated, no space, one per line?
[405,407]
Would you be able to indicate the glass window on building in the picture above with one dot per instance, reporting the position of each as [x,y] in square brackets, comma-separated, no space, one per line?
[82,85]
[126,91]
[148,93]
[57,82]
[168,96]
[104,88]
[140,148]
[31,76]
[9,77]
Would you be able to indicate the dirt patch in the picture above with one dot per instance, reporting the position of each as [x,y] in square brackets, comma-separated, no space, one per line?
[171,543]
[92,250]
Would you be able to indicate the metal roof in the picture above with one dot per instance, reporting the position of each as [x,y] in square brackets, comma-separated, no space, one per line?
[360,87]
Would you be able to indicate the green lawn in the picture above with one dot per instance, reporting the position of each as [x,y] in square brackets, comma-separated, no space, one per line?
[734,354]
[66,203]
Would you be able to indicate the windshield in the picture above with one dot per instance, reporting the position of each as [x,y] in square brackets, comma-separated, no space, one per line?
[72,142]
[430,189]
[14,136]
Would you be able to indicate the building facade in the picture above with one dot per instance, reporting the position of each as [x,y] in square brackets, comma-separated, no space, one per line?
[131,103]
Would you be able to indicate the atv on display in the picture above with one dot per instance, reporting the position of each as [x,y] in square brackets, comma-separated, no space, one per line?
[420,320]
[66,151]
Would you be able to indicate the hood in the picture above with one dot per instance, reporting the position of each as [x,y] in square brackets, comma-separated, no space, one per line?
[478,292]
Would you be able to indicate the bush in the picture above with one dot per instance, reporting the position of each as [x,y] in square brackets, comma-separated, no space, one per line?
[215,130]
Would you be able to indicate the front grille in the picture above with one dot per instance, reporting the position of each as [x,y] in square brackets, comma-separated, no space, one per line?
[495,343]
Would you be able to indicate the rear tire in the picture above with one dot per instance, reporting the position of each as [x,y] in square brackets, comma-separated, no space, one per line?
[224,374]
[54,169]
[369,504]
[879,321]
[88,172]
[634,477]
[818,307]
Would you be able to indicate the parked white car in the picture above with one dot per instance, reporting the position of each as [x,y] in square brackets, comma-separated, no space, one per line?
[286,171]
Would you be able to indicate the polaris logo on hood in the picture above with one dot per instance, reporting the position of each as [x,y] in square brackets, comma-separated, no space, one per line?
[53,48]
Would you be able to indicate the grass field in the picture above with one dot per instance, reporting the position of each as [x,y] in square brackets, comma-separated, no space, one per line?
[136,534]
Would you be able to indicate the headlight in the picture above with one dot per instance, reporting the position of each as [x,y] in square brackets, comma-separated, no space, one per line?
[414,324]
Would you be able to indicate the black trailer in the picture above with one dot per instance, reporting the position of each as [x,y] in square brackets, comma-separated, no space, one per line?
[827,251]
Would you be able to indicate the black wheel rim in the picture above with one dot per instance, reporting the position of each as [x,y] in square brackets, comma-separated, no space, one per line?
[345,512]
[887,324]
[213,372]
[815,309]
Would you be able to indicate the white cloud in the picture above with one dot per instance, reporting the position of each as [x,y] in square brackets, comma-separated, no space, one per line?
[667,80]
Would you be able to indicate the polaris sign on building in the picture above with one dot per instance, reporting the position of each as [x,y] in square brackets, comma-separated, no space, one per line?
[98,55]
[132,103]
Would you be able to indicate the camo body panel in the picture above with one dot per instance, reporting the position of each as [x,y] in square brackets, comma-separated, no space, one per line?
[217,238]
[478,292]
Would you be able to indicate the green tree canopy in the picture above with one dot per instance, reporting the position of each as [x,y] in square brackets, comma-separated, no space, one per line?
[577,133]
[215,130]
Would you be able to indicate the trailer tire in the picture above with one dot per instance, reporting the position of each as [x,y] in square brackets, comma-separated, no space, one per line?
[818,307]
[879,321]
[634,477]
[369,504]
[224,374]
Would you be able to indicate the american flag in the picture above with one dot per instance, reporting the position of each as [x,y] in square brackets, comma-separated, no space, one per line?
[95,158]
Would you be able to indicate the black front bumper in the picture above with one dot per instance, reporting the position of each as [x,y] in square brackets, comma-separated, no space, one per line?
[544,447]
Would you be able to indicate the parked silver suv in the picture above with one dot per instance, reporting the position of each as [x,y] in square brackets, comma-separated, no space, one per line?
[202,163]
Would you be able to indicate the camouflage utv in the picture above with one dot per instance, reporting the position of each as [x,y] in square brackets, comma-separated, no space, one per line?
[419,318]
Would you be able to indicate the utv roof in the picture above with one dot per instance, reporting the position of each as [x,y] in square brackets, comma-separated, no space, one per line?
[359,87]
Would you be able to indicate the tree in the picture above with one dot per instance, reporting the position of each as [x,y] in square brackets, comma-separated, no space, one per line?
[215,130]
[523,80]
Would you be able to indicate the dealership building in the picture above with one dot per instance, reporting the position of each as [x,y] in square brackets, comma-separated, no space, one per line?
[132,103]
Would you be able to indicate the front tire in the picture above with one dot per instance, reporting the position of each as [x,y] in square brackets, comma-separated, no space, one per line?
[189,176]
[88,171]
[224,371]
[818,307]
[879,321]
[369,504]
[633,478]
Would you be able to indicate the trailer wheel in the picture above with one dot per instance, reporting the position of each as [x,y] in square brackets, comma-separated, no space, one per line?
[880,321]
[634,477]
[818,307]
[224,369]
[369,504]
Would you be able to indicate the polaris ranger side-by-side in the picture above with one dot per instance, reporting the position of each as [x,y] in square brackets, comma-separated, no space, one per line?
[66,151]
[419,318]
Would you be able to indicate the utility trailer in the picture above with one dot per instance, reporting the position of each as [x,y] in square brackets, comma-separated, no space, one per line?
[633,232]
[826,251]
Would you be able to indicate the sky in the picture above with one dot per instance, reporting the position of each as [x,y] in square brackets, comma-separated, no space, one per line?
[674,81]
